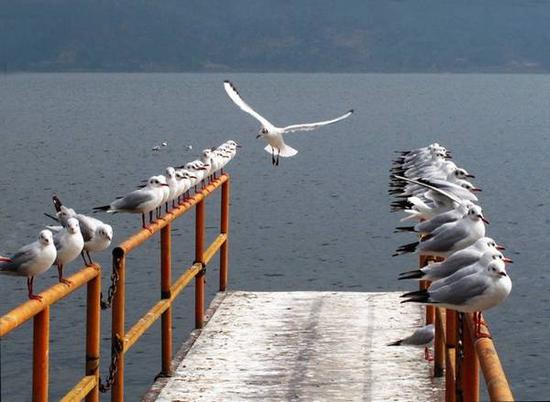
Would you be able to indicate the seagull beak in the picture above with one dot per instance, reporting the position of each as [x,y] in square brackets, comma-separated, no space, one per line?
[500,248]
[476,190]
[165,185]
[471,176]
[483,219]
[502,274]
[239,146]
[507,260]
[193,177]
[258,136]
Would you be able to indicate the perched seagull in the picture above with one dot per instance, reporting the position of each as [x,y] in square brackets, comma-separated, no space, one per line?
[31,260]
[450,237]
[274,135]
[156,148]
[97,235]
[470,294]
[458,260]
[420,337]
[68,243]
[164,144]
[142,201]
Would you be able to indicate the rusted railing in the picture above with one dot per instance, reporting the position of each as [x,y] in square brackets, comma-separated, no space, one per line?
[39,311]
[459,353]
[123,340]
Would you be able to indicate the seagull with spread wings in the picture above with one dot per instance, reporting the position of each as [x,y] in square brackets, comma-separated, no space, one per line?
[274,135]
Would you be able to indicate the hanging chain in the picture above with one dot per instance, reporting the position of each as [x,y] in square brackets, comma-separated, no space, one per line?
[459,358]
[116,349]
[105,304]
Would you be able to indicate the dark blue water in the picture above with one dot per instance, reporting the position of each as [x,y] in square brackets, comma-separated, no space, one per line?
[320,221]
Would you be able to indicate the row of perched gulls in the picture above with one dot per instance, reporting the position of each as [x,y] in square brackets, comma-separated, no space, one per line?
[471,275]
[78,234]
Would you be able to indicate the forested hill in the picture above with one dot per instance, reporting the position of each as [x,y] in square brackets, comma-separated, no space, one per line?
[275,35]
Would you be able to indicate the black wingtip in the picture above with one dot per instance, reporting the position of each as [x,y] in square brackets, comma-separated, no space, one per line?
[416,274]
[351,111]
[56,203]
[102,208]
[396,343]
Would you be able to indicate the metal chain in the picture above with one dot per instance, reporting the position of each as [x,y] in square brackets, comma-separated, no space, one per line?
[459,358]
[116,349]
[112,288]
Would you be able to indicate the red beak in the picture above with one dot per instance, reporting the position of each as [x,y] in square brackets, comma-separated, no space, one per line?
[507,260]
[500,248]
[484,220]
[475,189]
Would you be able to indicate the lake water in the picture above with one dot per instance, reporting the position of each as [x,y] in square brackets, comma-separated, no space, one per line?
[319,221]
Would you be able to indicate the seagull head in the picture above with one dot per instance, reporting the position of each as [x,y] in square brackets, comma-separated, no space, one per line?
[105,231]
[73,227]
[262,133]
[170,172]
[475,213]
[496,268]
[463,174]
[45,237]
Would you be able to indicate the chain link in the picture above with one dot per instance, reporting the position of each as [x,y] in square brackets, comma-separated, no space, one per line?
[116,349]
[105,304]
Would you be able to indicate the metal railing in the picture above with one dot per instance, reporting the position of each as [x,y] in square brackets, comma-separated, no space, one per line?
[459,354]
[90,385]
[123,340]
[39,311]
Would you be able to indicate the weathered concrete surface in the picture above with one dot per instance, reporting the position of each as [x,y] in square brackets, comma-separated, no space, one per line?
[305,346]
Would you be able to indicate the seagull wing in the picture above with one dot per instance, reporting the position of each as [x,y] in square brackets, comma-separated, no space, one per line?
[235,97]
[313,126]
[427,184]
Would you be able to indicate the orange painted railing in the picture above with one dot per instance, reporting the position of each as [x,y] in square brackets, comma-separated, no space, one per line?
[123,340]
[39,311]
[459,354]
[90,385]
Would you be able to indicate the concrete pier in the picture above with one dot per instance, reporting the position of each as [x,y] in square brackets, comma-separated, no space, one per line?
[303,346]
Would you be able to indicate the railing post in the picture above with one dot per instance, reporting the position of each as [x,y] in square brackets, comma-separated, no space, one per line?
[41,349]
[117,325]
[439,344]
[93,333]
[469,368]
[224,255]
[199,257]
[450,324]
[165,284]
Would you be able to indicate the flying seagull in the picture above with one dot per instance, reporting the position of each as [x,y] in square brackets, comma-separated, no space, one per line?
[274,135]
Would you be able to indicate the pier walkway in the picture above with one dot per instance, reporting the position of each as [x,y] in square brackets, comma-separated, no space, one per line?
[310,346]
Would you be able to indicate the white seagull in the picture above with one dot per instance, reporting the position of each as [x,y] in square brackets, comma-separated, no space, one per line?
[69,243]
[31,260]
[274,135]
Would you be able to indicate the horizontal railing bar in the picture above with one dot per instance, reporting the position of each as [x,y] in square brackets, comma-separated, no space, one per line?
[145,323]
[80,390]
[214,247]
[184,279]
[27,310]
[156,311]
[141,236]
[493,373]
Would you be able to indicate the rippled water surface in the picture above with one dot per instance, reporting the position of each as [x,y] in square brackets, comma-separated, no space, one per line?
[319,221]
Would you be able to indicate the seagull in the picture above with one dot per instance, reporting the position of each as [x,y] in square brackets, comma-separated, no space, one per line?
[420,337]
[97,234]
[141,201]
[274,135]
[31,260]
[457,260]
[470,294]
[68,243]
[156,148]
[164,144]
[450,237]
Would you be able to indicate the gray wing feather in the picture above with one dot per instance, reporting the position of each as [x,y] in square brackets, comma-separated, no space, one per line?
[444,239]
[459,292]
[133,200]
